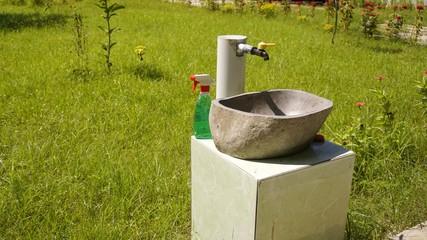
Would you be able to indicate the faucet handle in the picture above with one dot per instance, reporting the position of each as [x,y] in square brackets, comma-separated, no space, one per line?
[263,45]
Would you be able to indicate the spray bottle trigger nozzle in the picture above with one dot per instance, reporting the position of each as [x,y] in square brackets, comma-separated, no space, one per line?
[203,79]
[193,78]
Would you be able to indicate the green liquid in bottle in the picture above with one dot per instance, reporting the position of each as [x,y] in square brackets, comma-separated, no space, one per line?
[201,116]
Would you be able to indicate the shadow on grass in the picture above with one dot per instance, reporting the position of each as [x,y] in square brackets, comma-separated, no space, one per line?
[147,71]
[386,50]
[81,75]
[16,21]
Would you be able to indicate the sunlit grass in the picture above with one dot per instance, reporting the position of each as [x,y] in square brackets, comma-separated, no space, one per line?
[108,155]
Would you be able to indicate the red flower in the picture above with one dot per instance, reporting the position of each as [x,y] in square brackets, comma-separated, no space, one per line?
[369,4]
[425,72]
[298,3]
[398,17]
[359,104]
[395,7]
[313,4]
[379,78]
[404,6]
[420,7]
[378,7]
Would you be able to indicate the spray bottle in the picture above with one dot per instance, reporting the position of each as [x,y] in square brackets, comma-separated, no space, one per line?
[203,106]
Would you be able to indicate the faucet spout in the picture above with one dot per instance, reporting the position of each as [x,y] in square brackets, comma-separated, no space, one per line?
[261,53]
[231,63]
[249,49]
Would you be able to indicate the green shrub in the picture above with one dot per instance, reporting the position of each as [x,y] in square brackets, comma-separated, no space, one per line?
[347,14]
[269,9]
[369,20]
[422,90]
[211,5]
[239,5]
[394,27]
[228,8]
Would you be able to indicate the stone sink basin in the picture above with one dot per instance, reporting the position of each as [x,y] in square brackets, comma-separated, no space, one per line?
[267,124]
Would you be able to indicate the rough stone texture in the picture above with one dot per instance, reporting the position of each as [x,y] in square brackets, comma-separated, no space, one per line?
[418,232]
[267,124]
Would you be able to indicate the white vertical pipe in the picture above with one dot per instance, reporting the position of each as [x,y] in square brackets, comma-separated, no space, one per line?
[230,72]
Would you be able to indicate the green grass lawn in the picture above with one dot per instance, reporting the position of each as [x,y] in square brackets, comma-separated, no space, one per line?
[107,156]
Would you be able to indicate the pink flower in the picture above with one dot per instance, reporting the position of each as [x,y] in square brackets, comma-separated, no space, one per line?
[359,104]
[379,78]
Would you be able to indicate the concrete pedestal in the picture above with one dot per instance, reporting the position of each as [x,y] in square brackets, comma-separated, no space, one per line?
[303,196]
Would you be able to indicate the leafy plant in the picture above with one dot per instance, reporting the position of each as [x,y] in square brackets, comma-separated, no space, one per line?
[418,24]
[347,14]
[80,44]
[239,5]
[394,27]
[140,51]
[422,90]
[109,12]
[386,118]
[299,3]
[313,5]
[330,14]
[374,132]
[212,5]
[38,2]
[268,9]
[369,20]
[286,4]
[227,8]
[300,16]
